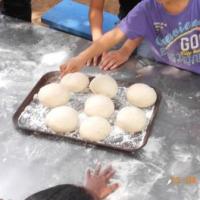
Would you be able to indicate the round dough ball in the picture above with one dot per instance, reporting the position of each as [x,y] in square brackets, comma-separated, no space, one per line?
[53,95]
[131,119]
[99,105]
[94,129]
[105,85]
[62,119]
[75,82]
[141,95]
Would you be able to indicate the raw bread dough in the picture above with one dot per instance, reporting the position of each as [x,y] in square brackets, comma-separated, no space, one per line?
[105,85]
[75,82]
[53,95]
[94,129]
[141,95]
[62,119]
[131,119]
[99,105]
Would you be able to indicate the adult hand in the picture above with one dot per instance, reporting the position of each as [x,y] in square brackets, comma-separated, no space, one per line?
[113,59]
[98,182]
[73,65]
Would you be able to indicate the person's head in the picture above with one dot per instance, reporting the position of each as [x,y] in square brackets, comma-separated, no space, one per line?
[63,192]
[72,192]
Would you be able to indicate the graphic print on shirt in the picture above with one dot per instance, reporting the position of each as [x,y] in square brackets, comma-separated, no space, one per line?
[182,44]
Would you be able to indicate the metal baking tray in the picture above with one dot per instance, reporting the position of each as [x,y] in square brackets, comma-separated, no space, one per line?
[30,116]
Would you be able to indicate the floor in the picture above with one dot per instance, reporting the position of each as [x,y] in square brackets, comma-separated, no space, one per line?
[41,6]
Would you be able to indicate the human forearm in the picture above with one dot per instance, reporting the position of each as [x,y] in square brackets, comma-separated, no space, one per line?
[130,45]
[96,18]
[96,25]
[115,58]
[104,43]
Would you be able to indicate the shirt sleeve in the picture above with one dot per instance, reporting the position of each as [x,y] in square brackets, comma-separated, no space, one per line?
[134,25]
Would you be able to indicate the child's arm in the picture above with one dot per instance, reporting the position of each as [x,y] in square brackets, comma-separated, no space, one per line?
[106,42]
[96,24]
[96,18]
[114,59]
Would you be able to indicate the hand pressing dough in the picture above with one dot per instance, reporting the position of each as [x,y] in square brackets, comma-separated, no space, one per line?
[53,95]
[105,85]
[99,105]
[141,95]
[131,119]
[62,119]
[75,82]
[94,129]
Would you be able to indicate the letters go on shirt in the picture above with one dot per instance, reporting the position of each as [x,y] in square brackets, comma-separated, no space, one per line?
[175,39]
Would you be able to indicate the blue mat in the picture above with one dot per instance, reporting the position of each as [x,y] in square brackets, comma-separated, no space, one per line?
[72,17]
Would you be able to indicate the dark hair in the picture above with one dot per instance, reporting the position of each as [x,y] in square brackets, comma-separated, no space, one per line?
[63,192]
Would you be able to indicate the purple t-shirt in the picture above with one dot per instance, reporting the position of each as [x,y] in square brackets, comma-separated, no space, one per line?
[175,39]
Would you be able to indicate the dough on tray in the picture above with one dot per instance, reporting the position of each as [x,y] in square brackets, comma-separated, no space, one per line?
[131,119]
[141,95]
[52,95]
[99,105]
[94,129]
[75,82]
[105,85]
[62,119]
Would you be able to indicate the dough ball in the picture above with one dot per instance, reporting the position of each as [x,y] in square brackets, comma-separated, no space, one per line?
[105,85]
[141,95]
[99,105]
[131,119]
[62,119]
[75,82]
[53,95]
[94,129]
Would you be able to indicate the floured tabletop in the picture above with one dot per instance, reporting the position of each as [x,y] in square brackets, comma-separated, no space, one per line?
[166,168]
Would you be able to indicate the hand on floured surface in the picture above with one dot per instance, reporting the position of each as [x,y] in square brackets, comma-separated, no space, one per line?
[73,65]
[96,60]
[113,59]
[97,182]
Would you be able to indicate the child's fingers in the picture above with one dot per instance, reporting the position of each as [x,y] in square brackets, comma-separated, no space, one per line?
[113,187]
[110,65]
[107,170]
[88,173]
[110,189]
[62,67]
[95,60]
[105,63]
[89,62]
[109,175]
[114,66]
[97,169]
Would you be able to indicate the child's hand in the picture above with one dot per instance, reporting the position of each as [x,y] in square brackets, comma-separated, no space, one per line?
[98,182]
[73,65]
[96,60]
[113,59]
[93,62]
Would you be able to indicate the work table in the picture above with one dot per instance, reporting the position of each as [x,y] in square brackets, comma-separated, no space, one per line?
[167,168]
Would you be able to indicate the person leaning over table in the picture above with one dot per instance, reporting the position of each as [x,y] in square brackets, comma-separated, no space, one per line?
[96,187]
[172,27]
[116,57]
